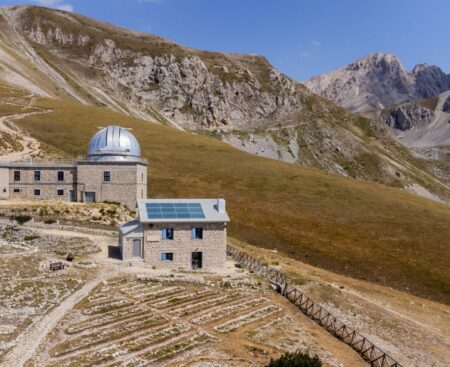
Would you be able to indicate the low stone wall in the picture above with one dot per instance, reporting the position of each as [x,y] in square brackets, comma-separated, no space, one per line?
[10,213]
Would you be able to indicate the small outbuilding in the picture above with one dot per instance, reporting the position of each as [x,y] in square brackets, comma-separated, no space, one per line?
[177,233]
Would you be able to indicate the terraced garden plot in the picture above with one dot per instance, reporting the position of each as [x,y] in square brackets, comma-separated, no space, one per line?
[188,309]
[219,313]
[105,334]
[184,297]
[247,318]
[108,318]
[165,323]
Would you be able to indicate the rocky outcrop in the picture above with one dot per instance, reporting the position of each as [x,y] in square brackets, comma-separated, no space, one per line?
[446,105]
[378,81]
[195,88]
[408,115]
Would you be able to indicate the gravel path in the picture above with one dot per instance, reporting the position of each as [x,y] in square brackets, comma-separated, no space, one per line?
[31,146]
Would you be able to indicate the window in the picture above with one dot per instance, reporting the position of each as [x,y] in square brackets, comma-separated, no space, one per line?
[60,175]
[16,190]
[60,192]
[37,175]
[142,176]
[16,175]
[167,233]
[4,190]
[197,233]
[166,256]
[106,176]
[37,192]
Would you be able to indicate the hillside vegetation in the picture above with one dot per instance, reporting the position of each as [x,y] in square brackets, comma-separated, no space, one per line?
[348,226]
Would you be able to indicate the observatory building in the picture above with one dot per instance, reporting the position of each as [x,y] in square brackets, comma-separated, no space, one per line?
[112,171]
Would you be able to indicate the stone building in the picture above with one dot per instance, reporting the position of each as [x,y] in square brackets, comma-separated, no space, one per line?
[112,171]
[177,233]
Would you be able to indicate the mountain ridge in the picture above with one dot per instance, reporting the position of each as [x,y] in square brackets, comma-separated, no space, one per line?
[377,81]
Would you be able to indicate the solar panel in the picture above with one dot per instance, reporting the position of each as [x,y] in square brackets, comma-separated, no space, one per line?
[174,211]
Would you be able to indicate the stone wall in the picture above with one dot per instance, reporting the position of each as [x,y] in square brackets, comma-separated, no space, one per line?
[213,245]
[4,183]
[128,181]
[48,185]
[123,185]
[141,182]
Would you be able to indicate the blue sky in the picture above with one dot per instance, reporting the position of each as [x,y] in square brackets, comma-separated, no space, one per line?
[301,38]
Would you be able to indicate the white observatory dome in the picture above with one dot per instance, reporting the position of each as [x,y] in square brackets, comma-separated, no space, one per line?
[113,143]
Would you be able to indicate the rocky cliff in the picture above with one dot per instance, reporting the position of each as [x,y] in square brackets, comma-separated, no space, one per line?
[378,81]
[140,72]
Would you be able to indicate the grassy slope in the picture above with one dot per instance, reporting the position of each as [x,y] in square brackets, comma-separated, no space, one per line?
[352,227]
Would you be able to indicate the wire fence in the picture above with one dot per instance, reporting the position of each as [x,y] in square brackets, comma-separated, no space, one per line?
[366,349]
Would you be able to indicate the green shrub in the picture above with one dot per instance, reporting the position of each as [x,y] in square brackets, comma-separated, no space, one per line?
[31,237]
[49,221]
[21,219]
[111,202]
[239,266]
[296,359]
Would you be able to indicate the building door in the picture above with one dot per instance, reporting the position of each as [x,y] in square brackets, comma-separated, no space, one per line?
[89,197]
[72,196]
[197,260]
[137,248]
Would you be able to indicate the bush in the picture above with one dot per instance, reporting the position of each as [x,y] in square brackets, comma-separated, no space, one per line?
[31,238]
[21,219]
[296,359]
[49,221]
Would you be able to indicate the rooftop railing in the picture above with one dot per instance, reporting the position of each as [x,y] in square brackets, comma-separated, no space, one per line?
[64,162]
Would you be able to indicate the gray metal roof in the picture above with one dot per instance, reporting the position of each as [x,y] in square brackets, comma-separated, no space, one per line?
[213,210]
[133,225]
[113,143]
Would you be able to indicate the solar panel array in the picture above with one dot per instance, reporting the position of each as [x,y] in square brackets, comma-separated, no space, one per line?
[174,211]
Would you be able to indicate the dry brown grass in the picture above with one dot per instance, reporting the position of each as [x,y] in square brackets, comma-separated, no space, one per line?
[365,230]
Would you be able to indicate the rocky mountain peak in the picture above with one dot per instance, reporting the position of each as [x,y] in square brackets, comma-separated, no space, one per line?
[377,60]
[377,81]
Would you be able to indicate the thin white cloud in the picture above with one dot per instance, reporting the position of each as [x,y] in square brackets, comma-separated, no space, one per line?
[57,4]
[315,43]
[305,55]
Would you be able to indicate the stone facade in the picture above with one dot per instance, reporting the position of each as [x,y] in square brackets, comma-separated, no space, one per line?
[212,246]
[70,182]
[128,181]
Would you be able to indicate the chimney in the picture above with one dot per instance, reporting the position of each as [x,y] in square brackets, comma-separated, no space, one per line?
[220,206]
